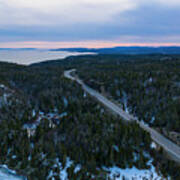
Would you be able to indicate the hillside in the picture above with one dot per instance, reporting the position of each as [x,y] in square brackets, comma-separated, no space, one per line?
[126,50]
[66,133]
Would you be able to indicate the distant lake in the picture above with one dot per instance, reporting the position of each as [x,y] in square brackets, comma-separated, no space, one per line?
[27,57]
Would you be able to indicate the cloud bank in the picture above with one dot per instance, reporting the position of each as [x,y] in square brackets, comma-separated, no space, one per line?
[78,20]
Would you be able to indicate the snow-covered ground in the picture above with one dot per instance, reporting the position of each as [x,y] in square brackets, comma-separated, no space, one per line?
[114,173]
[63,175]
[134,173]
[7,174]
[63,171]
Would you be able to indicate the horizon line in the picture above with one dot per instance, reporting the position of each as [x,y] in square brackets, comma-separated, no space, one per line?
[79,44]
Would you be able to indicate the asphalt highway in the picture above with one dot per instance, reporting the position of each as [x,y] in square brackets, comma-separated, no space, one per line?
[171,148]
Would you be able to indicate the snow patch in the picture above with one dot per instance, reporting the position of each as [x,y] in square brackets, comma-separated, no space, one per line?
[77,168]
[85,94]
[133,173]
[125,101]
[152,120]
[2,86]
[153,145]
[7,174]
[63,172]
[65,102]
[116,148]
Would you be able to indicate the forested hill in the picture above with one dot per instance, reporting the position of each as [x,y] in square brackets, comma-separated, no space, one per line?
[126,50]
[66,134]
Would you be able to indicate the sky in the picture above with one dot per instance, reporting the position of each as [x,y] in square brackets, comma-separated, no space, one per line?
[89,23]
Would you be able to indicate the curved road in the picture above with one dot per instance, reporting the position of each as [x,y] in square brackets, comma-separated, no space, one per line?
[172,149]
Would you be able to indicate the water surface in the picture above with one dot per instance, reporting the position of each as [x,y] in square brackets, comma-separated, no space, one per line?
[27,57]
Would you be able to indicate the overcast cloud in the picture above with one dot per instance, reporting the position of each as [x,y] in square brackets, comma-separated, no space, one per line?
[77,20]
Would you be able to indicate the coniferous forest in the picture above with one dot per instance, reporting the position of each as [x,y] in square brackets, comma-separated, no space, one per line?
[51,129]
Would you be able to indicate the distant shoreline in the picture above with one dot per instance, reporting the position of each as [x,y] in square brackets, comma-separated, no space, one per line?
[27,57]
[127,50]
